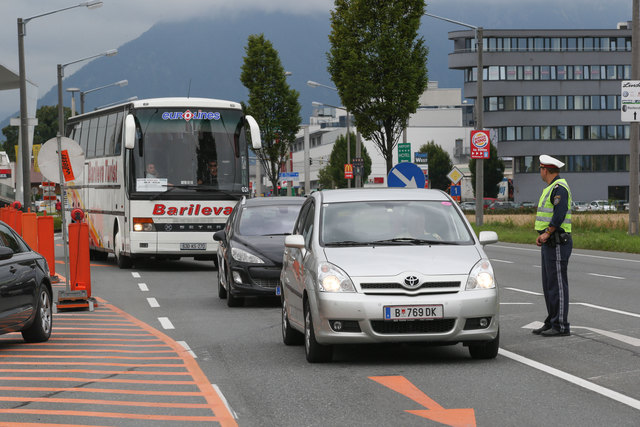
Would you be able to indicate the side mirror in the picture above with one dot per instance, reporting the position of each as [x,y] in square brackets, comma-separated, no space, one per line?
[254,130]
[5,252]
[129,132]
[220,236]
[294,241]
[488,237]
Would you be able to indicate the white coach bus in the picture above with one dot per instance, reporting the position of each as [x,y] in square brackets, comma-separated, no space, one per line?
[160,175]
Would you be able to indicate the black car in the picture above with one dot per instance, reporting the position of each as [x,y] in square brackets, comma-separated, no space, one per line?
[25,289]
[252,245]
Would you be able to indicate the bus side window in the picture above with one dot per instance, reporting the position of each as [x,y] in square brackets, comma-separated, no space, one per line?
[118,134]
[84,135]
[91,140]
[109,142]
[102,128]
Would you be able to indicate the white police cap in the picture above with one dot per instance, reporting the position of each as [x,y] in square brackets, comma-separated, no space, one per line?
[548,161]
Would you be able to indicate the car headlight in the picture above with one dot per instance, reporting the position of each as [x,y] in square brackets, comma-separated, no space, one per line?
[333,279]
[245,256]
[481,276]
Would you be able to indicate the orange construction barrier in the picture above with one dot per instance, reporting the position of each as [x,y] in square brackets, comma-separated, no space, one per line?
[4,214]
[30,229]
[17,222]
[12,218]
[46,247]
[79,268]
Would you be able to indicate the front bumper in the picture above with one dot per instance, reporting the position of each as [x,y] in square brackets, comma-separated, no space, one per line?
[462,312]
[255,281]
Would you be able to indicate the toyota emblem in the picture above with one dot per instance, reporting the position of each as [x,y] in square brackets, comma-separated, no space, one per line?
[411,282]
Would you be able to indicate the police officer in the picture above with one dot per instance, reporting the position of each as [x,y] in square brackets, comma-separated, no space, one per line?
[553,223]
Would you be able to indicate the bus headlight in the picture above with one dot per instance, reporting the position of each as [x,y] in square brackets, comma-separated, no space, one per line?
[143,224]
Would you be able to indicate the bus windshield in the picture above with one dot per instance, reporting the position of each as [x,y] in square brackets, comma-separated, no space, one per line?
[189,153]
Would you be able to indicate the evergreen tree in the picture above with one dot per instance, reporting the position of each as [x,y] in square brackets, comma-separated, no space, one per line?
[332,175]
[493,170]
[439,165]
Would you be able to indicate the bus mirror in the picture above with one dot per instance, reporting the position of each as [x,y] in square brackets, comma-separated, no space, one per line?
[129,132]
[254,129]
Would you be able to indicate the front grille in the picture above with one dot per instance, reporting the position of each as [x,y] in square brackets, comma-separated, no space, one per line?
[425,285]
[267,283]
[436,326]
[172,226]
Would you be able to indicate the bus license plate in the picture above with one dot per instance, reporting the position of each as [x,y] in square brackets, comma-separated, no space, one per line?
[412,312]
[193,246]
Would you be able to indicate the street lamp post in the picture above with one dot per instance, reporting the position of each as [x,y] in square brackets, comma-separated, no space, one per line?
[120,83]
[25,155]
[478,107]
[316,84]
[73,91]
[63,194]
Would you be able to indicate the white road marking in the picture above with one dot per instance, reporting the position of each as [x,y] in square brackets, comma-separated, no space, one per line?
[613,310]
[613,335]
[573,254]
[224,400]
[153,302]
[525,292]
[186,347]
[501,260]
[143,287]
[135,274]
[573,379]
[604,275]
[166,323]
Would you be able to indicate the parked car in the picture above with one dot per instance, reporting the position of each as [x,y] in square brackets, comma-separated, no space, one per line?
[387,265]
[578,206]
[502,205]
[601,205]
[25,289]
[251,247]
[468,206]
[527,205]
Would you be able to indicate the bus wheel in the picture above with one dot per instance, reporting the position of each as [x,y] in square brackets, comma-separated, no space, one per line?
[122,260]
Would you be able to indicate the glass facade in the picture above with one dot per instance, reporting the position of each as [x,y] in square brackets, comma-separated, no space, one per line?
[550,72]
[576,163]
[551,44]
[551,102]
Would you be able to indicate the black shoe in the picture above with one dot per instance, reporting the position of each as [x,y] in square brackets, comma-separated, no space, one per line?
[554,333]
[541,329]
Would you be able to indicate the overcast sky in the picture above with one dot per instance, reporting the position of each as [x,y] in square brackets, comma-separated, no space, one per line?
[77,33]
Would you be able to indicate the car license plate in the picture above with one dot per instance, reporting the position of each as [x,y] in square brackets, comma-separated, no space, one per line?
[412,312]
[193,246]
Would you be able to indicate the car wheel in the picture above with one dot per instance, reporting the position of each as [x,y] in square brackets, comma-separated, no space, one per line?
[289,335]
[123,261]
[222,292]
[315,352]
[485,350]
[40,329]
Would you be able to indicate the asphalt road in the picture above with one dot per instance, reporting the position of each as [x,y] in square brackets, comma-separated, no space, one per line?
[589,378]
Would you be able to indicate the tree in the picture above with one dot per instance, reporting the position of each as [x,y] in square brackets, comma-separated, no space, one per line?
[271,102]
[493,170]
[439,165]
[378,64]
[46,129]
[332,175]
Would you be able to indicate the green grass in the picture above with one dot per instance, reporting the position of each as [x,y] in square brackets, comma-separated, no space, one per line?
[589,232]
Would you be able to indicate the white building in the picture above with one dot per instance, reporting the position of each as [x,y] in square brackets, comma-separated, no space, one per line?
[441,117]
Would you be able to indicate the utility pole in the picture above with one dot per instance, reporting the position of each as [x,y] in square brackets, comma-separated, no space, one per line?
[635,126]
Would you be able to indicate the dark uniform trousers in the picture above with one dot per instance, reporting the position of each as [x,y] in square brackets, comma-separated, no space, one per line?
[555,258]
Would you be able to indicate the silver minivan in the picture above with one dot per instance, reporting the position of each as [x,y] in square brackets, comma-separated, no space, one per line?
[387,265]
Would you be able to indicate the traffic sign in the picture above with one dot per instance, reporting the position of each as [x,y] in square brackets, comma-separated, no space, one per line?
[71,156]
[455,175]
[358,166]
[408,175]
[480,144]
[630,101]
[404,152]
[421,158]
[285,175]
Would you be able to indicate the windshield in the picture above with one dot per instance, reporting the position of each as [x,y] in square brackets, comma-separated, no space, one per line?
[268,220]
[188,152]
[393,222]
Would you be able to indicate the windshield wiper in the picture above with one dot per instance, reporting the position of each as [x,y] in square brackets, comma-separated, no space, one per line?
[347,243]
[411,241]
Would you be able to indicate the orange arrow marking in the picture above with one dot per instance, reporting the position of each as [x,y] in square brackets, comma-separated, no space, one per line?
[434,412]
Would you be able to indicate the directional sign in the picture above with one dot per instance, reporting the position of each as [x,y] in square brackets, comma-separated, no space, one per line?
[408,175]
[404,152]
[285,175]
[630,101]
[433,411]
